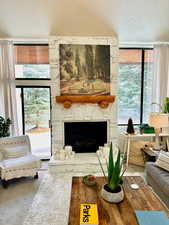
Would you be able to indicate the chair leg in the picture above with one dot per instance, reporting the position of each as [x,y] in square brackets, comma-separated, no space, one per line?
[5,183]
[36,176]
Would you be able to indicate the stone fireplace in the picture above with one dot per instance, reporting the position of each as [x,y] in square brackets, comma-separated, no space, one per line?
[82,112]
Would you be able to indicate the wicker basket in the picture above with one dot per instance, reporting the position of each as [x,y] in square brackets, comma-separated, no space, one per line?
[136,156]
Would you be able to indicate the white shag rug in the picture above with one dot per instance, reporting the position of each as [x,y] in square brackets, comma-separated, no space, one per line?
[51,203]
[16,200]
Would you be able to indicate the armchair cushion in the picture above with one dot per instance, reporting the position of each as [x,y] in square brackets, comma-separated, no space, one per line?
[14,152]
[25,162]
[1,156]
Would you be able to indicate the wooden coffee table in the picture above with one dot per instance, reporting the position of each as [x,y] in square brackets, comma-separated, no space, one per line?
[113,214]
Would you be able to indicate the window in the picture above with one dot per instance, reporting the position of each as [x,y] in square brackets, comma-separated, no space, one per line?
[32,61]
[147,87]
[33,106]
[135,85]
[33,96]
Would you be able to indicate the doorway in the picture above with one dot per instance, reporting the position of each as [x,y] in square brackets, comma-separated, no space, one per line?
[34,112]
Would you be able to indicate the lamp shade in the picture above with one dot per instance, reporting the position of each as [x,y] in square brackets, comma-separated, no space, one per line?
[159,120]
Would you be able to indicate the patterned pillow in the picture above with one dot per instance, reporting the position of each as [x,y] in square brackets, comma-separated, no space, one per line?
[15,152]
[163,160]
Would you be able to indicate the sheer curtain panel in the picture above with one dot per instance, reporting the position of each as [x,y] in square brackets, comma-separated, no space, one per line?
[161,75]
[7,85]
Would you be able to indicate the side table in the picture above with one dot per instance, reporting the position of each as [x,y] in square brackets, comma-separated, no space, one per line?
[149,154]
[129,138]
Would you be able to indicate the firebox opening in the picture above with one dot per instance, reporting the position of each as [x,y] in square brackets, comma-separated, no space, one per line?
[85,136]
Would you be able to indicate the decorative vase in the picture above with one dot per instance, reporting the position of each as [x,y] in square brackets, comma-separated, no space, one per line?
[112,197]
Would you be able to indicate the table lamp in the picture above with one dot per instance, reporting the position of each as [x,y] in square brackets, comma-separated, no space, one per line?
[158,121]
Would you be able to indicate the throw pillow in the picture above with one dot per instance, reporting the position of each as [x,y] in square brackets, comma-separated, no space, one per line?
[15,151]
[163,160]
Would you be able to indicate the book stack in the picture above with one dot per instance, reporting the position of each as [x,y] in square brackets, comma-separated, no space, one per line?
[89,214]
[151,218]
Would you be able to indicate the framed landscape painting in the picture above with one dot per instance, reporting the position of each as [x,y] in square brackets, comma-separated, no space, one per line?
[84,69]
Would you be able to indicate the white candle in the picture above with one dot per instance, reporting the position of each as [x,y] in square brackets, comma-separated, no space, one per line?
[68,148]
[62,154]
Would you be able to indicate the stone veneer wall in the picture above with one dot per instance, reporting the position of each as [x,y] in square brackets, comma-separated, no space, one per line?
[82,112]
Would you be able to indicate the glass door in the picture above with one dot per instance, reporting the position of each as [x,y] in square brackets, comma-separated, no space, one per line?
[35,114]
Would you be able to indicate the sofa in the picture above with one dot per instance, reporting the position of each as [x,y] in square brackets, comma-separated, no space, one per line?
[158,179]
[16,159]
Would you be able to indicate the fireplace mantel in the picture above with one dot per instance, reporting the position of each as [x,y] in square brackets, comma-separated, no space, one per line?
[103,101]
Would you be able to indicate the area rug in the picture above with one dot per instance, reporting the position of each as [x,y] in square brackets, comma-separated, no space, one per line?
[16,200]
[51,203]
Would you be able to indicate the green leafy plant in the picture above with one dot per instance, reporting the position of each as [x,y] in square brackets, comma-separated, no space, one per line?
[90,180]
[166,105]
[4,127]
[114,169]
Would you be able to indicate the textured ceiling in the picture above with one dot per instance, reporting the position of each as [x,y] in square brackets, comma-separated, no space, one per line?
[131,20]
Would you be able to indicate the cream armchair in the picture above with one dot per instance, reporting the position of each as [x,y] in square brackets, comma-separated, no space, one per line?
[16,159]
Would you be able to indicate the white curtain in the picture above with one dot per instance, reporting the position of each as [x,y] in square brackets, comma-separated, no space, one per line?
[161,75]
[7,85]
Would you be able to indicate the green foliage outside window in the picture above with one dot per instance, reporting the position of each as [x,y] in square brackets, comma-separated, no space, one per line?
[32,71]
[129,92]
[36,106]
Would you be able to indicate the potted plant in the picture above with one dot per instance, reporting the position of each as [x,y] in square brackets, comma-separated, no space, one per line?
[89,180]
[166,105]
[112,191]
[164,109]
[4,127]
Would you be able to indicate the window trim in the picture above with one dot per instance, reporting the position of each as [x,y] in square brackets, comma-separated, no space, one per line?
[142,81]
[32,78]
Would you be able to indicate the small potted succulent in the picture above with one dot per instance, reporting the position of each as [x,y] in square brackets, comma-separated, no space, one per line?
[89,180]
[112,191]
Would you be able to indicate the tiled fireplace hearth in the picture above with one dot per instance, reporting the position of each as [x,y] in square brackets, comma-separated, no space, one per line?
[82,112]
